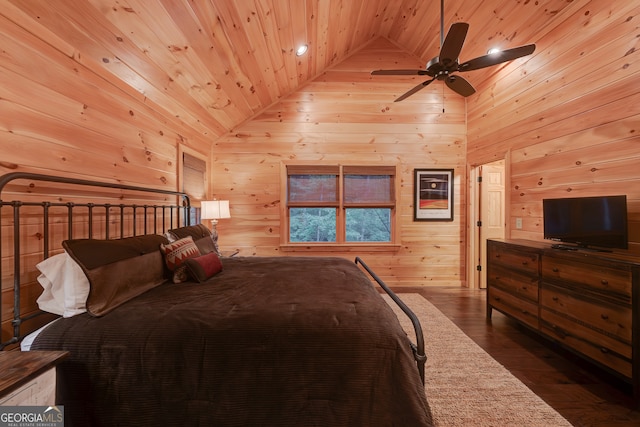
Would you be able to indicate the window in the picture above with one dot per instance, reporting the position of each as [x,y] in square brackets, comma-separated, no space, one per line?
[340,204]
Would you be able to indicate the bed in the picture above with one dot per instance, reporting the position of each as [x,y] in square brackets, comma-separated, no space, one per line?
[165,331]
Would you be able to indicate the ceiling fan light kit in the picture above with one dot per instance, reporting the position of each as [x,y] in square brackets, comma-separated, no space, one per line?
[446,63]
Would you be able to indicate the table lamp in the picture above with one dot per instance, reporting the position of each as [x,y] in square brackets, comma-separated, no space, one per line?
[214,210]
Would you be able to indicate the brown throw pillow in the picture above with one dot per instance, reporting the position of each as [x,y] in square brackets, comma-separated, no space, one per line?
[118,270]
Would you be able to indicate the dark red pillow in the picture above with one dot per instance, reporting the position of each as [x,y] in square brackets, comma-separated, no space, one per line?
[203,267]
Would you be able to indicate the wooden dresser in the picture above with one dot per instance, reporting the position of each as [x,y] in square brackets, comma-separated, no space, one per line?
[587,301]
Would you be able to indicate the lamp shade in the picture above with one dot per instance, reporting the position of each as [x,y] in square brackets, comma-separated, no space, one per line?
[215,209]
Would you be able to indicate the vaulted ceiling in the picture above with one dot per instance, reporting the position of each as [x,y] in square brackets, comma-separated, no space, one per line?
[219,62]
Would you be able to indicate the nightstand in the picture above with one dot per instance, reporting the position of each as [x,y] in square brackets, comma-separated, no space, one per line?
[28,378]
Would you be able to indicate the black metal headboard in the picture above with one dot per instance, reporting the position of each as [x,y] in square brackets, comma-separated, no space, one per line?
[166,209]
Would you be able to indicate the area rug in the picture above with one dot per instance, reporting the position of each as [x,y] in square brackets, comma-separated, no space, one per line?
[465,386]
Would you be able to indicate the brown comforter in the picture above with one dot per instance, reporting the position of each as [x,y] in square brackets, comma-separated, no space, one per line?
[286,341]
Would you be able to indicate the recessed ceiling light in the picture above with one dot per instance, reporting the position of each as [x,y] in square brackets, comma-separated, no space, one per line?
[302,50]
[493,50]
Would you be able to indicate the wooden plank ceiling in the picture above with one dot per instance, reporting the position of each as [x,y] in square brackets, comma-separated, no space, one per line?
[216,63]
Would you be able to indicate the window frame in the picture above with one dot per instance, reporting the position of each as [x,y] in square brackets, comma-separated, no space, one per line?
[340,244]
[184,176]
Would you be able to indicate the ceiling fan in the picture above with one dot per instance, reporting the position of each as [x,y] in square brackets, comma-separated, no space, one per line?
[446,63]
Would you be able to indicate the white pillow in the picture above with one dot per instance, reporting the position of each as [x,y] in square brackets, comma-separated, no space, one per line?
[52,298]
[65,286]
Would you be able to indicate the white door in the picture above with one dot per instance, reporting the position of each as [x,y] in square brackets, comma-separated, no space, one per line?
[491,210]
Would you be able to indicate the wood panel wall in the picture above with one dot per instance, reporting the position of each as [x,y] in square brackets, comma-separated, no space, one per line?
[61,113]
[568,120]
[346,115]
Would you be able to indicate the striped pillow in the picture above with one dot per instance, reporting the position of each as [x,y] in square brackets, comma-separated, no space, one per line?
[175,254]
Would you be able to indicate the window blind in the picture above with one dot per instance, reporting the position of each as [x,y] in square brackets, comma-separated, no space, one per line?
[193,178]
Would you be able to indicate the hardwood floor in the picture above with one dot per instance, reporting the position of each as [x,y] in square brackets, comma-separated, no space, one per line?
[582,393]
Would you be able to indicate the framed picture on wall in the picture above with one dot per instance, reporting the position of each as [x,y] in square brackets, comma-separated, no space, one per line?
[433,194]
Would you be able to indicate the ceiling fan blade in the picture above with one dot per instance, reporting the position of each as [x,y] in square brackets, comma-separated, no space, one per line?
[414,90]
[497,58]
[452,45]
[460,85]
[398,72]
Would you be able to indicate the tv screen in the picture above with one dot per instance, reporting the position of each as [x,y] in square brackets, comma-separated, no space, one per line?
[587,221]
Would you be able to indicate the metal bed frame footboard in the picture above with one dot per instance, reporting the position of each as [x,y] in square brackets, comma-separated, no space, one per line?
[418,347]
[164,214]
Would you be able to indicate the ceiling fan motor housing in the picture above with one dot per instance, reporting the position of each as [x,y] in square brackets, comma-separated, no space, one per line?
[440,70]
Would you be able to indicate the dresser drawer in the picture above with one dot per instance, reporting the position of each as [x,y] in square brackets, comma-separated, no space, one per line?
[515,282]
[615,320]
[525,311]
[599,278]
[562,327]
[599,347]
[513,258]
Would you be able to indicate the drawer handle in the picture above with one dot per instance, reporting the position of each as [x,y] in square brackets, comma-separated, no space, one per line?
[562,334]
[604,282]
[525,262]
[496,298]
[525,312]
[524,288]
[555,269]
[554,298]
[604,350]
[604,317]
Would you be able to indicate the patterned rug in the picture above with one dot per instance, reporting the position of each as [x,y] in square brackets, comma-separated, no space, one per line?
[465,386]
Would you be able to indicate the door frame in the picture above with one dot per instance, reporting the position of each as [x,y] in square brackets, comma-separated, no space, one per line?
[474,251]
[473,232]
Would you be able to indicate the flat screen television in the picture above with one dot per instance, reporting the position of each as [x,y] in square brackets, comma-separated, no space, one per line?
[599,221]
